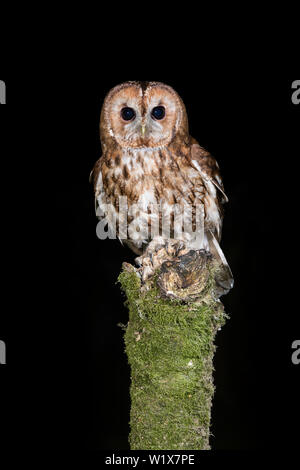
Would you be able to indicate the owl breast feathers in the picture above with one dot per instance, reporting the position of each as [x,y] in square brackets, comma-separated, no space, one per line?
[150,158]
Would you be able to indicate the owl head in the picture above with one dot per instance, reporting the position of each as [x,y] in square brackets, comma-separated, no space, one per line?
[142,114]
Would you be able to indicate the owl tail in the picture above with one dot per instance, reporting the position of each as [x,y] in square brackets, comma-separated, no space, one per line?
[224,278]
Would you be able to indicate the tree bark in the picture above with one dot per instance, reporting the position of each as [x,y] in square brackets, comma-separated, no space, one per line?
[173,319]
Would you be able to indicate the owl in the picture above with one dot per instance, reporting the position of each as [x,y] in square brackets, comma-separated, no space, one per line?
[149,157]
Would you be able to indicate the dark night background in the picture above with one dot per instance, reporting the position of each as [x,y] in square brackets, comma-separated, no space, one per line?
[71,367]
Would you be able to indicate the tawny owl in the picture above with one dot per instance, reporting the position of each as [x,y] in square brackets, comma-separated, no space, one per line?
[149,157]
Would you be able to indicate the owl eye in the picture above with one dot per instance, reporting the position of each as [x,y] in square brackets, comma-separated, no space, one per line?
[128,114]
[158,112]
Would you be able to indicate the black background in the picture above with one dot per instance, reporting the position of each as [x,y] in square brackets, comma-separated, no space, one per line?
[67,377]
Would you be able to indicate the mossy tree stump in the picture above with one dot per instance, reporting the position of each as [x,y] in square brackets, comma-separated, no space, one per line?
[173,319]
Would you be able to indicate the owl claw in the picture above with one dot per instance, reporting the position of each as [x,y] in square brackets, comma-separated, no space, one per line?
[147,272]
[157,252]
[139,261]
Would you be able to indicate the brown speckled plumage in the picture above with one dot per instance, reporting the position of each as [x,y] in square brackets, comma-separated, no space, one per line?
[164,165]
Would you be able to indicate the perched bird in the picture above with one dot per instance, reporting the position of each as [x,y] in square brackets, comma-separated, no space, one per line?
[150,158]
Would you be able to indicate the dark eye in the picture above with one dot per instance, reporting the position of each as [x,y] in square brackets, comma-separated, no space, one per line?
[158,112]
[128,114]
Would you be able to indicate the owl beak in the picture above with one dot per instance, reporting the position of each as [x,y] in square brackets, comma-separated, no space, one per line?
[143,129]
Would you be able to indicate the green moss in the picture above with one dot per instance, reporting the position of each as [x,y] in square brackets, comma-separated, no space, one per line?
[170,347]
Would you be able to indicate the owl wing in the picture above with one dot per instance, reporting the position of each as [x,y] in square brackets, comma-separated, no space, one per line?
[208,167]
[100,196]
[96,179]
[94,174]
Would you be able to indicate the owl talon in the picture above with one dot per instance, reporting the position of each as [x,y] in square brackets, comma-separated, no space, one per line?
[139,261]
[147,272]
